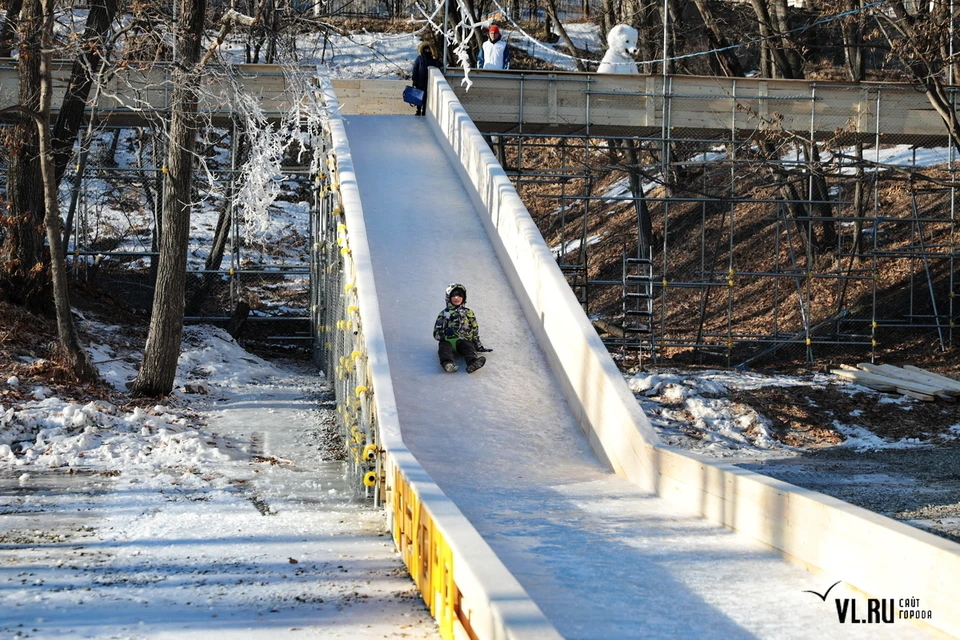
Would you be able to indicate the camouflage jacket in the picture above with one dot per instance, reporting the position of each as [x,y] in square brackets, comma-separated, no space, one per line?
[457,322]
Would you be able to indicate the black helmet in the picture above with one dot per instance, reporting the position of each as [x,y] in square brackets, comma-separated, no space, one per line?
[456,286]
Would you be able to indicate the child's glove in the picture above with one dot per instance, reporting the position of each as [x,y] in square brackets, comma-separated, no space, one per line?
[484,350]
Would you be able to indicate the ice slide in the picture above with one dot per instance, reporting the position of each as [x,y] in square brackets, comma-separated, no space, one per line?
[601,557]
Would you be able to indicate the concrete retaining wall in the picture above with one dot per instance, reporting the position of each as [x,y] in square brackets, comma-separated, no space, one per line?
[877,555]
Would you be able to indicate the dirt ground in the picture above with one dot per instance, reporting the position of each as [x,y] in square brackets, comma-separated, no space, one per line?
[804,417]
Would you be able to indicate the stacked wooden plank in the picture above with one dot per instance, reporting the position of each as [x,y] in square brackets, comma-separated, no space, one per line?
[910,381]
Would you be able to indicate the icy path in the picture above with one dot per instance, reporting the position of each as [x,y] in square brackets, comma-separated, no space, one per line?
[601,558]
[265,544]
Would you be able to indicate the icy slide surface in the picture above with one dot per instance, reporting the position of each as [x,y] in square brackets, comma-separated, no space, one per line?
[602,558]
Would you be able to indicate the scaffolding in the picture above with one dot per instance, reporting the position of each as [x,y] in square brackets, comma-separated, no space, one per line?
[736,245]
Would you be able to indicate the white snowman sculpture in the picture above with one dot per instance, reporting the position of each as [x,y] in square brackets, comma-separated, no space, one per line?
[621,47]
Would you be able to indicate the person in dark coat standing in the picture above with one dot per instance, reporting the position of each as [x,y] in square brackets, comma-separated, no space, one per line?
[424,61]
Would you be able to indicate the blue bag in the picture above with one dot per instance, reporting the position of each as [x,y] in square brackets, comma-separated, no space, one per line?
[414,96]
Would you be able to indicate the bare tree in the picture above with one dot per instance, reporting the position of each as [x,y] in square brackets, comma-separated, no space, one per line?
[724,60]
[162,350]
[70,119]
[552,11]
[852,26]
[775,61]
[917,39]
[71,351]
[608,15]
[224,223]
[23,278]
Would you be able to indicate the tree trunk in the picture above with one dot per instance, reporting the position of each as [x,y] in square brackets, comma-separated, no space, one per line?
[649,34]
[102,13]
[820,199]
[781,25]
[724,57]
[273,28]
[552,11]
[644,219]
[222,233]
[776,59]
[162,350]
[23,275]
[70,348]
[608,16]
[852,41]
[157,209]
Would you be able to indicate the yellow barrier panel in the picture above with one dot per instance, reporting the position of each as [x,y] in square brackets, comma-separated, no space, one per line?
[428,557]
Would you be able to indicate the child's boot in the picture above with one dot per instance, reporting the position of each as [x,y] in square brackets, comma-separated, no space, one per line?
[476,364]
[450,367]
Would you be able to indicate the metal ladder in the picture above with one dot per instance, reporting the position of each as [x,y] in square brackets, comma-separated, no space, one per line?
[638,296]
[576,276]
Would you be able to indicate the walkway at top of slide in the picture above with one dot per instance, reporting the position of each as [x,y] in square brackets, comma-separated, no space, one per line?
[601,557]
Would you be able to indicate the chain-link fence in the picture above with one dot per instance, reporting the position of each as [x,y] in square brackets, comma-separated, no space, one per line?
[339,346]
[239,269]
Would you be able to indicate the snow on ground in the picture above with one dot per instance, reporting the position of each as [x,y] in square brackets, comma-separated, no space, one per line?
[561,250]
[219,513]
[693,410]
[354,55]
[585,36]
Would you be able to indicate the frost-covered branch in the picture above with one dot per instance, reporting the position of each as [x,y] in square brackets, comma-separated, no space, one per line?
[229,20]
[458,36]
[267,145]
